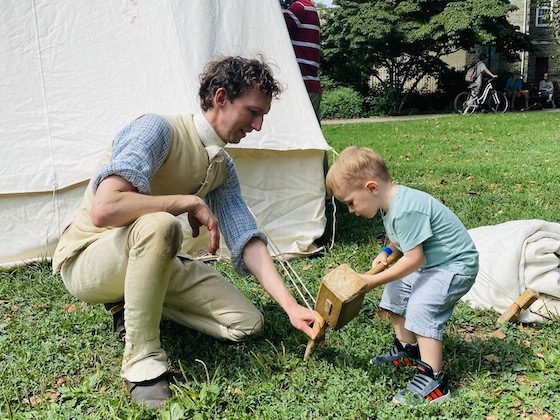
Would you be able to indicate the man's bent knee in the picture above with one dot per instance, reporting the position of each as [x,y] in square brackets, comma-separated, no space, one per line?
[161,230]
[251,326]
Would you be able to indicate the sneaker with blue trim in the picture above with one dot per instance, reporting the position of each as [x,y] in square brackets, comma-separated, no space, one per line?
[399,355]
[425,387]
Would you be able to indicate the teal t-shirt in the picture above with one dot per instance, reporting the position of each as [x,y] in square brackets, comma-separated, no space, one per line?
[415,218]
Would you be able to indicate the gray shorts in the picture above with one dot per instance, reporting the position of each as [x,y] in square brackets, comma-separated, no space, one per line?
[426,299]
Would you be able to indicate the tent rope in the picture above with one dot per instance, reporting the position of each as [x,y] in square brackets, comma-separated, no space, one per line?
[289,271]
[331,244]
[55,217]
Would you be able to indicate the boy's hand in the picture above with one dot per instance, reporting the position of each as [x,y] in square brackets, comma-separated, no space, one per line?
[380,259]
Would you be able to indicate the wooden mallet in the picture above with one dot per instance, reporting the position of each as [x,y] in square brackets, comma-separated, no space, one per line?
[340,299]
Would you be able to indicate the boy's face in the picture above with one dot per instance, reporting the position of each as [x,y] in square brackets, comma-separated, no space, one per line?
[362,201]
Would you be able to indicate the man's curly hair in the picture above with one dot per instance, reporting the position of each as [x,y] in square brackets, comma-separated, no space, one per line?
[236,75]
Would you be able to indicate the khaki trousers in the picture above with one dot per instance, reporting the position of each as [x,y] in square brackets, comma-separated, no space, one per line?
[139,263]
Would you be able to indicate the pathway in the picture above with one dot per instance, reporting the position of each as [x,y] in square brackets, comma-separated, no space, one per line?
[405,117]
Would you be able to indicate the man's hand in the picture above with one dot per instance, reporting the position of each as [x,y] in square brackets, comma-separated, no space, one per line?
[201,215]
[302,318]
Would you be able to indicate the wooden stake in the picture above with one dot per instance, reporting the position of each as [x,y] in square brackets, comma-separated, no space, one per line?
[524,300]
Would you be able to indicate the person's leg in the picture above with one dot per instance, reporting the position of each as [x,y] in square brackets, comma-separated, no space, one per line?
[132,263]
[198,297]
[96,275]
[153,243]
[426,312]
[433,349]
[402,334]
[316,102]
[526,95]
[549,99]
[431,302]
[395,300]
[474,88]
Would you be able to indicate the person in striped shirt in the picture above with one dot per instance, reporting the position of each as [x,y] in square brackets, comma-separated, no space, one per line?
[304,28]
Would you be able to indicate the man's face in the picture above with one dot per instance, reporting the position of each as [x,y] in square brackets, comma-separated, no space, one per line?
[545,77]
[361,201]
[242,115]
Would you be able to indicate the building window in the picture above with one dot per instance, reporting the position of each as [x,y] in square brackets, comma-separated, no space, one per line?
[542,16]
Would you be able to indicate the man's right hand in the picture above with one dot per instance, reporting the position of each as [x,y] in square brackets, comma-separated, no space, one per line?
[201,215]
[117,203]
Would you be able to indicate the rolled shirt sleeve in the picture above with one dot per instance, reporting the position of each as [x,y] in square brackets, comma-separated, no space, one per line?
[139,150]
[237,224]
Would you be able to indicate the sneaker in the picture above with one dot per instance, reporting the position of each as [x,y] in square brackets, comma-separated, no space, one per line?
[398,356]
[425,387]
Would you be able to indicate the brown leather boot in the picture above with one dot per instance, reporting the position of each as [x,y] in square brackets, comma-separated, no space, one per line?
[154,392]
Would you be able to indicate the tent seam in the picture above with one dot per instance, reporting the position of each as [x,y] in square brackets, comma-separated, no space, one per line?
[178,39]
[55,215]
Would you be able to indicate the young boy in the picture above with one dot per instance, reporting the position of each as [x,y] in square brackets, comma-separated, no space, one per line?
[438,266]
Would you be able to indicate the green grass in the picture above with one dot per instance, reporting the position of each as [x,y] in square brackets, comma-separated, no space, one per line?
[58,358]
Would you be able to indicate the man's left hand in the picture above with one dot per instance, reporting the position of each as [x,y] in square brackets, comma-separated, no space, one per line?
[303,318]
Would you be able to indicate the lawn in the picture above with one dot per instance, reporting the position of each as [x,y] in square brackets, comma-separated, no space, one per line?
[58,358]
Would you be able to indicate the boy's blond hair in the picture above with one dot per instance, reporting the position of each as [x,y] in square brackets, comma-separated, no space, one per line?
[354,166]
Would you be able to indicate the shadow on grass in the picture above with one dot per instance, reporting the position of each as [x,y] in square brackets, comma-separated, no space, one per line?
[468,358]
[279,340]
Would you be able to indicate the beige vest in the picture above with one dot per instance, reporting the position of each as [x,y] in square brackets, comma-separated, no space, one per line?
[190,168]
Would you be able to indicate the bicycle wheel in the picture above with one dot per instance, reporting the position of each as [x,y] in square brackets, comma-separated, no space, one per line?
[498,102]
[460,102]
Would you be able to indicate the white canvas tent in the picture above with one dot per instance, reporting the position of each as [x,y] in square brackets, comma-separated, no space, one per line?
[74,72]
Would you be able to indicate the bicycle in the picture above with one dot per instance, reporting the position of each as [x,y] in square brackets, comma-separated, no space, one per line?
[495,100]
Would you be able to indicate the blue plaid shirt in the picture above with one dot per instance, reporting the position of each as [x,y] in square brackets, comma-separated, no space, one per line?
[138,152]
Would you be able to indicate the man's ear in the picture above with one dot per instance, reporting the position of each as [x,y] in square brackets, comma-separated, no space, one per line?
[373,186]
[220,97]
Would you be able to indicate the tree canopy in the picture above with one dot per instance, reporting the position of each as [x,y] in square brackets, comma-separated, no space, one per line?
[409,37]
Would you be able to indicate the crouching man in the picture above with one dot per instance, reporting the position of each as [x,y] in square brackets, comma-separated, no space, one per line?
[123,245]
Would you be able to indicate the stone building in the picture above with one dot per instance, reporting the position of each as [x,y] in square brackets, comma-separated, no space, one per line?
[533,18]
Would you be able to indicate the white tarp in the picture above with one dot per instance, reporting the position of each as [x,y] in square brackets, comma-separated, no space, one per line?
[515,256]
[73,72]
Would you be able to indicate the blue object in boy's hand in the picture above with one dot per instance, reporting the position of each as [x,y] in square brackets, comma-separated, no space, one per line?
[387,250]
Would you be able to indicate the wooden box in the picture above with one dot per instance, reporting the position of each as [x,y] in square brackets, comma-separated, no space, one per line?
[341,295]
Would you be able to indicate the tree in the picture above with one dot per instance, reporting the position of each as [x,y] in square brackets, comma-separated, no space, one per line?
[408,38]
